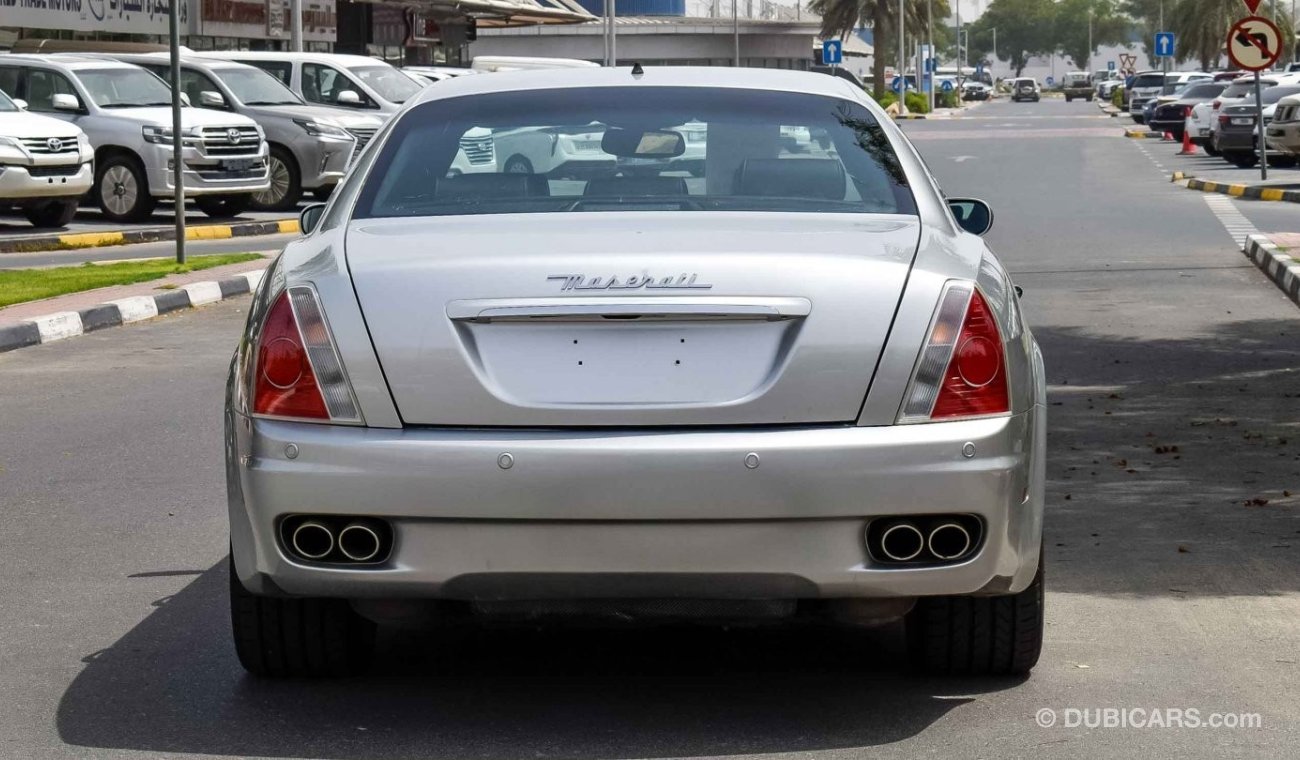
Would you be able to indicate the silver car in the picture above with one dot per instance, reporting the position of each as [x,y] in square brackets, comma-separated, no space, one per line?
[799,386]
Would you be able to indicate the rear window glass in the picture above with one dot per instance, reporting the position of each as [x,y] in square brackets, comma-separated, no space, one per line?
[1203,91]
[1242,89]
[555,150]
[1148,80]
[1274,94]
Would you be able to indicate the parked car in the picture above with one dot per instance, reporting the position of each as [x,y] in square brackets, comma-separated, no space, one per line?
[310,146]
[1149,85]
[46,165]
[1077,84]
[976,91]
[1236,93]
[1283,133]
[330,79]
[431,74]
[562,151]
[1172,116]
[1025,88]
[852,430]
[1106,89]
[126,112]
[1237,138]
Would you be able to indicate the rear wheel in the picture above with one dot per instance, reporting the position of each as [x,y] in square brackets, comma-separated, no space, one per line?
[224,206]
[518,165]
[278,637]
[1242,160]
[1283,162]
[1210,150]
[978,635]
[123,190]
[286,183]
[55,213]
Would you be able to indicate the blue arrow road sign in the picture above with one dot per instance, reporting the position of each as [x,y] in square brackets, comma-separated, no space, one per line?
[1110,65]
[897,84]
[946,86]
[1164,44]
[832,52]
[1049,81]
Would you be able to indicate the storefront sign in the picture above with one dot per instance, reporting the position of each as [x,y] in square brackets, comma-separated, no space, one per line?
[140,16]
[266,19]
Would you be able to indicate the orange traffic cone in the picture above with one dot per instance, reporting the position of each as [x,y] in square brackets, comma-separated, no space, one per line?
[1188,148]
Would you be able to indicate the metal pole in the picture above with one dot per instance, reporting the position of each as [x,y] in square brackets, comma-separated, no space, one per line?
[961,52]
[902,61]
[604,32]
[1259,123]
[613,32]
[178,162]
[735,33]
[1087,66]
[929,49]
[295,25]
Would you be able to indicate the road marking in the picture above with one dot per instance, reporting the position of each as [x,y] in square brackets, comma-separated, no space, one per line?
[962,159]
[1225,210]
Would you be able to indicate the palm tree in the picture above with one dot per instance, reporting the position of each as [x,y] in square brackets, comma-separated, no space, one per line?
[841,17]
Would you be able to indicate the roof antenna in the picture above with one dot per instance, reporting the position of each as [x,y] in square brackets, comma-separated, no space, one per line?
[637,71]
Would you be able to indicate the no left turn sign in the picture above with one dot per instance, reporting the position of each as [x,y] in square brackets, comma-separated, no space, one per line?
[1254,43]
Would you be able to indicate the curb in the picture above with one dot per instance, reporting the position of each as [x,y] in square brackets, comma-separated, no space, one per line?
[1256,192]
[1142,134]
[908,116]
[1281,268]
[151,235]
[66,324]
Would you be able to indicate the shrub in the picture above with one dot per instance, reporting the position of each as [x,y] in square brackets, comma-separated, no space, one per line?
[1117,96]
[888,99]
[917,102]
[947,99]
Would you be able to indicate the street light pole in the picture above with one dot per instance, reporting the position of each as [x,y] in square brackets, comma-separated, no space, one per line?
[1087,66]
[178,142]
[929,50]
[295,25]
[735,33]
[902,61]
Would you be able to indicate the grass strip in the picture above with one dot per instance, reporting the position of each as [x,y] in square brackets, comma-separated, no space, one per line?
[22,285]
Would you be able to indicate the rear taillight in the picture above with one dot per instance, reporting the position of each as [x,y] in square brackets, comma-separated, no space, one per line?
[297,372]
[962,370]
[1223,119]
[1215,105]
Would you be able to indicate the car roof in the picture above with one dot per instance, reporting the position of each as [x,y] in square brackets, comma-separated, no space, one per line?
[162,57]
[784,80]
[341,59]
[66,60]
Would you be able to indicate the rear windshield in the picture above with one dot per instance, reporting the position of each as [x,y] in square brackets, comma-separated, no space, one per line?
[1274,94]
[1149,80]
[1203,91]
[727,150]
[1242,89]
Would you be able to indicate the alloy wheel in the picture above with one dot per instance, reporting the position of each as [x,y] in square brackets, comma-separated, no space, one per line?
[119,190]
[279,184]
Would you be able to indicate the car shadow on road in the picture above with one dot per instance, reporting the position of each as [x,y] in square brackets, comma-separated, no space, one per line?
[172,685]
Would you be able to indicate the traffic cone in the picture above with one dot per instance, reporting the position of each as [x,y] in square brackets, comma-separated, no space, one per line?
[1188,148]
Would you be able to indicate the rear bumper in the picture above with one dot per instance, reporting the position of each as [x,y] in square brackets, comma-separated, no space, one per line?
[636,513]
[1284,137]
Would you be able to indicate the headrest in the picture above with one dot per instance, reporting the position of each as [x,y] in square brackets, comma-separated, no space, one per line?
[791,178]
[634,186]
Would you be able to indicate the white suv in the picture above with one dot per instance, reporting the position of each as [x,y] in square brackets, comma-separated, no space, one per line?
[45,165]
[126,113]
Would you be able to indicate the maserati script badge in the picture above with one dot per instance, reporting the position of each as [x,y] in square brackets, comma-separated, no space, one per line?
[644,280]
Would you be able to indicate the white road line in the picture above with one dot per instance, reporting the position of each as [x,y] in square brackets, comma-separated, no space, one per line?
[1236,224]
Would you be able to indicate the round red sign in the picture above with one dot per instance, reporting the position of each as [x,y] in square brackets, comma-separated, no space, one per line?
[1254,43]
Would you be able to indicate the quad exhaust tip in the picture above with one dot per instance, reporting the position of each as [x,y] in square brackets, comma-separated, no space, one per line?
[924,539]
[313,540]
[948,541]
[359,542]
[902,542]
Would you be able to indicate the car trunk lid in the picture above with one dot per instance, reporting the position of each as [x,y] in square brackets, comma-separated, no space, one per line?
[630,318]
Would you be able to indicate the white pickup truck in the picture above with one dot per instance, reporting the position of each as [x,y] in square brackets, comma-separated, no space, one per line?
[45,165]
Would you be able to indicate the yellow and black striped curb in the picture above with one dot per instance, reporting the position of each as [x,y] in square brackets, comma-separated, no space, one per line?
[1281,268]
[1143,134]
[908,116]
[150,235]
[1257,192]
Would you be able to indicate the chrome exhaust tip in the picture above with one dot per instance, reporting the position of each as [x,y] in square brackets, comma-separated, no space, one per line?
[312,540]
[949,541]
[359,542]
[901,542]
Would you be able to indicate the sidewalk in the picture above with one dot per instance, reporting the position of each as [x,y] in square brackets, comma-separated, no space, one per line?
[35,322]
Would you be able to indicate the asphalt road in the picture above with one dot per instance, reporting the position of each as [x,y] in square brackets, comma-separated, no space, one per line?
[89,219]
[143,251]
[1165,591]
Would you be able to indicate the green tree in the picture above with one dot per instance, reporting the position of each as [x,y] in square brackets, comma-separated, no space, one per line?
[841,17]
[1026,28]
[1072,21]
[1202,27]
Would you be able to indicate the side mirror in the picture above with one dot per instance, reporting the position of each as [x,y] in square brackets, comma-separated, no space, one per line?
[22,104]
[973,215]
[64,102]
[348,98]
[310,218]
[210,99]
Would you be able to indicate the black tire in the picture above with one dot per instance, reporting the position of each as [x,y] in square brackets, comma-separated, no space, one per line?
[123,189]
[1138,118]
[55,213]
[286,183]
[292,638]
[1283,162]
[1243,160]
[224,206]
[323,194]
[1210,150]
[517,165]
[978,635]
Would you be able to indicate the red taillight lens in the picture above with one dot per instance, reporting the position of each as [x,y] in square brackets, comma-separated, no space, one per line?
[1223,120]
[1215,105]
[285,385]
[976,380]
